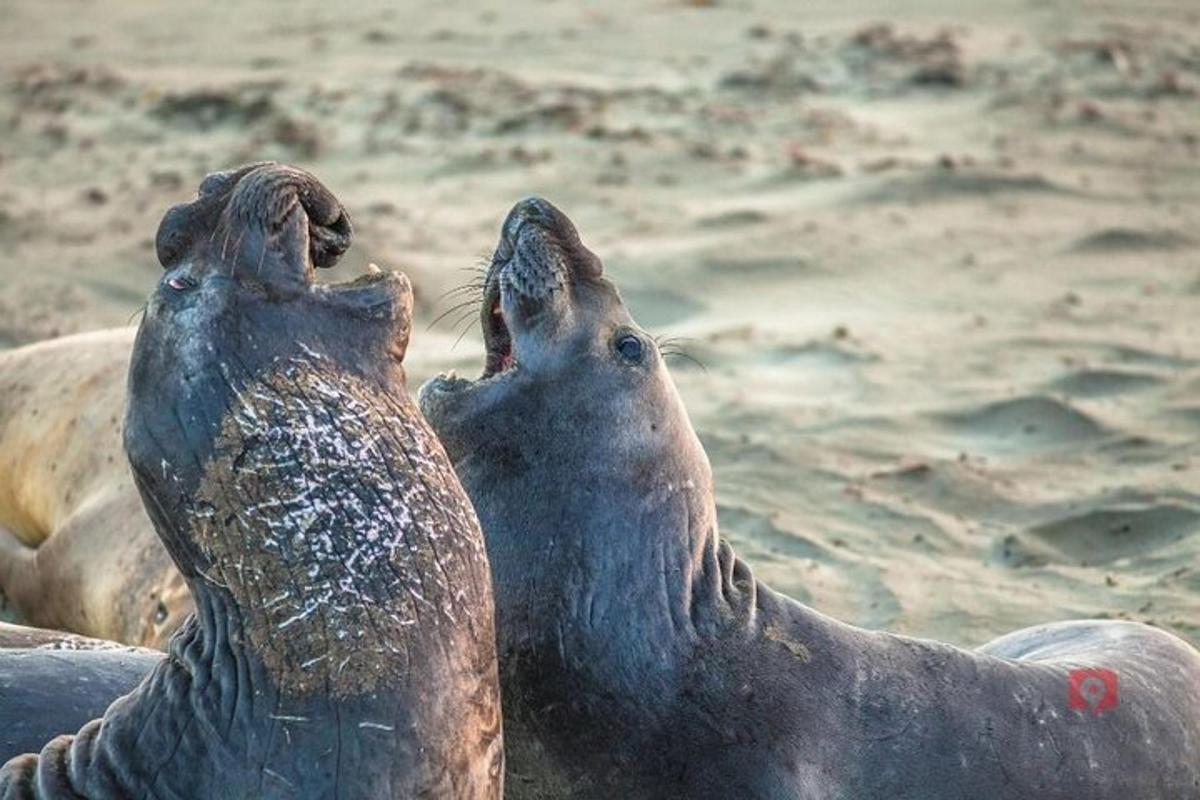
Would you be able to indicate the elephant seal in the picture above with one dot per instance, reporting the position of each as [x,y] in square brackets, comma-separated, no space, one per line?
[640,658]
[53,683]
[343,642]
[77,551]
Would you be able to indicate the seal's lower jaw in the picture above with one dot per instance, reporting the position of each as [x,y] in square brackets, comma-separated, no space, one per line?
[440,399]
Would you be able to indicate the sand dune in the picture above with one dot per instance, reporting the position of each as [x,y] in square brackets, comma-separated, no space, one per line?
[940,262]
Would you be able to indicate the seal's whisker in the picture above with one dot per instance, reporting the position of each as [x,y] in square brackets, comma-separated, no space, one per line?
[673,347]
[466,320]
[477,282]
[466,288]
[464,295]
[482,264]
[685,357]
[141,311]
[672,341]
[466,329]
[451,310]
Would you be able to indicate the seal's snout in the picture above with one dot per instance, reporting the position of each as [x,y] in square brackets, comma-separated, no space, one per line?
[538,212]
[263,230]
[538,258]
[537,229]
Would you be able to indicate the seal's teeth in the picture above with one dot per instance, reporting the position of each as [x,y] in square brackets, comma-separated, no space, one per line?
[373,268]
[451,375]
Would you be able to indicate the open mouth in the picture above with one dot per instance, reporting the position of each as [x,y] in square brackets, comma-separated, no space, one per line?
[497,337]
[534,259]
[500,355]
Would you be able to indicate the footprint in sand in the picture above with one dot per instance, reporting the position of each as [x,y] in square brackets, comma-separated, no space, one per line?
[1034,422]
[1102,382]
[940,185]
[1131,240]
[1105,534]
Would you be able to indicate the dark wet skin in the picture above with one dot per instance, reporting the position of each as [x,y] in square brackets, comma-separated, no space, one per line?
[641,659]
[342,644]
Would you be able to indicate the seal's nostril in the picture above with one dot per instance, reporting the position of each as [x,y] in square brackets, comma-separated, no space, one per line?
[534,209]
[524,211]
[539,213]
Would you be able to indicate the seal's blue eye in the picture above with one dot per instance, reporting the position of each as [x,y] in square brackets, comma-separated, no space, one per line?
[630,347]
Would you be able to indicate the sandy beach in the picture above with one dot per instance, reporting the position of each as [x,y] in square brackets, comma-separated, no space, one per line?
[935,266]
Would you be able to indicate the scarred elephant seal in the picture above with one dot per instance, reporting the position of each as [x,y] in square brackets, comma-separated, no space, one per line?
[640,658]
[342,644]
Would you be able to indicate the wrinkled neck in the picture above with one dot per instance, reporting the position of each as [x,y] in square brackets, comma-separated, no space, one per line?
[602,629]
[609,572]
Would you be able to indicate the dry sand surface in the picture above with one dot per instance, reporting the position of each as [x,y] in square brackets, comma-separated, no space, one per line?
[940,261]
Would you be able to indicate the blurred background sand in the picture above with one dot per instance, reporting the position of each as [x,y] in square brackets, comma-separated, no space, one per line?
[940,260]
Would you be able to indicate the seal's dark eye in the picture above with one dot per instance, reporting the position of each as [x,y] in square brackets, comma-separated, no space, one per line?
[181,282]
[630,347]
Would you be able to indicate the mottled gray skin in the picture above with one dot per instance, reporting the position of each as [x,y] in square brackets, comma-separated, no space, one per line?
[53,683]
[247,390]
[641,659]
